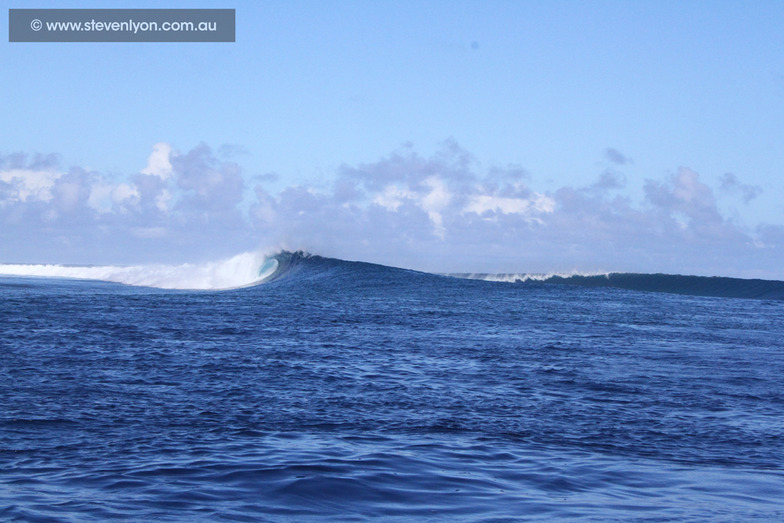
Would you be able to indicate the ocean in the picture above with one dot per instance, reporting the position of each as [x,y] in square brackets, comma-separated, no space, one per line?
[315,389]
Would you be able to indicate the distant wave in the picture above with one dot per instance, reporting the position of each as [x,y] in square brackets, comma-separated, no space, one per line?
[668,283]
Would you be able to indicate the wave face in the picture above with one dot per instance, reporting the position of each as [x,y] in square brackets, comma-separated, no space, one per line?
[303,266]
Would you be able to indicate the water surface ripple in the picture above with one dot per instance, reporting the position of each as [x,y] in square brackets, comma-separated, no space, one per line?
[350,392]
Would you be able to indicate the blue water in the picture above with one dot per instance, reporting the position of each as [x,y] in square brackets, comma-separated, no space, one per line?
[346,392]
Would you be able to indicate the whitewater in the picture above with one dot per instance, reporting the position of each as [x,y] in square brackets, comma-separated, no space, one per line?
[243,269]
[285,386]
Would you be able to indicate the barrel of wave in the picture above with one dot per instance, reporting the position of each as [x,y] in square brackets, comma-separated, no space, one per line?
[268,268]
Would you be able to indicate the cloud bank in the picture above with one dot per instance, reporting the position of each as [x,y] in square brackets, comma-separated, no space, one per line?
[440,213]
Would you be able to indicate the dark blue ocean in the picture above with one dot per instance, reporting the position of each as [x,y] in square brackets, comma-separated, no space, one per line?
[348,392]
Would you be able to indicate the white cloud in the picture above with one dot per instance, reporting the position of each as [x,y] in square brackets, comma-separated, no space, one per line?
[392,197]
[432,201]
[29,185]
[123,193]
[483,203]
[435,202]
[163,199]
[686,202]
[206,184]
[159,161]
[439,213]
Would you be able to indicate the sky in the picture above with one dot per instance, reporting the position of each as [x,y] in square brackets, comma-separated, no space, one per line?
[447,136]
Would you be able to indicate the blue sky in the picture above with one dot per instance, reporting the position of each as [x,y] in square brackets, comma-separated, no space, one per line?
[445,136]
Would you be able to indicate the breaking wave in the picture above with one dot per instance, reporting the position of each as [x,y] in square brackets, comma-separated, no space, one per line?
[253,268]
[241,270]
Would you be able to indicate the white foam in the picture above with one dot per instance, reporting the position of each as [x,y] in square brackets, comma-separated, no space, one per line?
[238,271]
[525,277]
